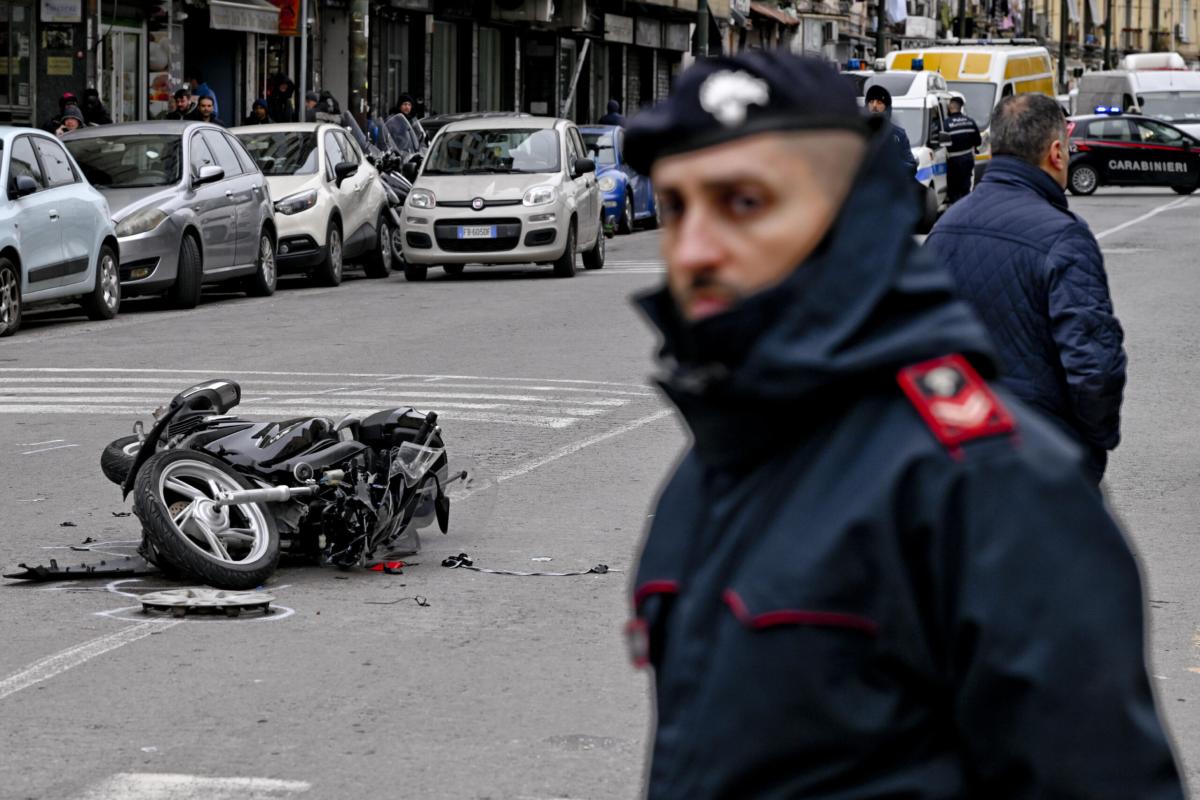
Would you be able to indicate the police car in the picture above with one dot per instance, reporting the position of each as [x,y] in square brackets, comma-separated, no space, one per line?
[1109,148]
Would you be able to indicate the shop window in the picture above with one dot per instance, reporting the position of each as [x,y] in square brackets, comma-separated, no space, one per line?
[445,68]
[16,48]
[490,70]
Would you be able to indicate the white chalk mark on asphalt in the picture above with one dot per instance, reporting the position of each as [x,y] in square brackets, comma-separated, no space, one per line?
[168,786]
[1151,213]
[39,444]
[72,657]
[48,449]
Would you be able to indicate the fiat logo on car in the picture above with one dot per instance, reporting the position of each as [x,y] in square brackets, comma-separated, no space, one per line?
[477,204]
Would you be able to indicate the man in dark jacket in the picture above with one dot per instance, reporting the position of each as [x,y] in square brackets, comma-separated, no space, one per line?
[279,100]
[258,114]
[879,103]
[613,117]
[184,107]
[93,109]
[960,158]
[874,574]
[1034,273]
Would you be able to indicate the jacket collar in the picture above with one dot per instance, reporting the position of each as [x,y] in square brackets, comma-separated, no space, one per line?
[1013,171]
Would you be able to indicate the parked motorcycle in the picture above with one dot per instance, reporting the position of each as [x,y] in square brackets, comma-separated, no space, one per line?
[221,498]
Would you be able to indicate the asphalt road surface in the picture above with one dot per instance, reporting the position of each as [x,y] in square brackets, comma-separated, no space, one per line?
[501,686]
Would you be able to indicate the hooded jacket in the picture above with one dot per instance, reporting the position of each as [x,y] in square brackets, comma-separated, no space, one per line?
[279,100]
[897,132]
[836,605]
[1034,273]
[614,116]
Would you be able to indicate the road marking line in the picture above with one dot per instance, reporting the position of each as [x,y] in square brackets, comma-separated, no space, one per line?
[157,385]
[62,661]
[1152,212]
[376,375]
[48,449]
[168,786]
[39,444]
[110,394]
[575,447]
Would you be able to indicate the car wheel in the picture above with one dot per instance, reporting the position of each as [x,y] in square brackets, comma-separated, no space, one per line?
[655,220]
[453,270]
[185,293]
[379,263]
[929,210]
[625,224]
[264,280]
[329,272]
[1083,179]
[1185,189]
[10,297]
[564,265]
[594,258]
[104,301]
[397,250]
[414,273]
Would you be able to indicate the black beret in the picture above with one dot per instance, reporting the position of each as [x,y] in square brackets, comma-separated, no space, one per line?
[725,98]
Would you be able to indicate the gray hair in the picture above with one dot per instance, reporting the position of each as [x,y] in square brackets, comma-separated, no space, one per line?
[1025,125]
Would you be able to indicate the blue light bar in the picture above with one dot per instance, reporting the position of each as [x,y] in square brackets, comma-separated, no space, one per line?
[918,64]
[1108,109]
[854,64]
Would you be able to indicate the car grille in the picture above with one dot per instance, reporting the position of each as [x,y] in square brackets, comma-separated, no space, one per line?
[467,203]
[508,234]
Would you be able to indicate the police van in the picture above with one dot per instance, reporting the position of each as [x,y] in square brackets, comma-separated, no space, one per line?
[922,118]
[984,74]
[1156,85]
[1116,149]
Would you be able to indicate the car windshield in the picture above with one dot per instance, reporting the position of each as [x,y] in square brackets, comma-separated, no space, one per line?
[402,133]
[913,122]
[502,150]
[896,83]
[283,153]
[129,161]
[602,145]
[979,97]
[1171,106]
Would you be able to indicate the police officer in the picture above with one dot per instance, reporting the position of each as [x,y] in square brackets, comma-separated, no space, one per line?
[960,159]
[879,103]
[875,573]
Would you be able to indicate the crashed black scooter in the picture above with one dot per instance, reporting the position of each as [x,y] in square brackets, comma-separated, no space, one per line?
[221,498]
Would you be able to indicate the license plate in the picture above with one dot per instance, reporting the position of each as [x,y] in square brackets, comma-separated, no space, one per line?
[477,231]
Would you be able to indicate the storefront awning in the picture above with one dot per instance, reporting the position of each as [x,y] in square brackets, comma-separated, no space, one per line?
[251,16]
[773,12]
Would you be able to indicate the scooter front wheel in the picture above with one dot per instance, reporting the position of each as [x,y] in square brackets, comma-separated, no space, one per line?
[229,547]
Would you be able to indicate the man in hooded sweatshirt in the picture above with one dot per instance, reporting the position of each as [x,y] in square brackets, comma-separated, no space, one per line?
[613,117]
[879,103]
[874,574]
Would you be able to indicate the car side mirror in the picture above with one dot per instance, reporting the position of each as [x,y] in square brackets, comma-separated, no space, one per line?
[209,173]
[411,168]
[24,186]
[344,170]
[582,166]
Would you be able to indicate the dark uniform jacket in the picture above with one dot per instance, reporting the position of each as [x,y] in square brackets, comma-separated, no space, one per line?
[900,138]
[964,135]
[1034,273]
[837,605]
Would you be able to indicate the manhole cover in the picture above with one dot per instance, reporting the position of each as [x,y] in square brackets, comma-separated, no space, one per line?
[181,602]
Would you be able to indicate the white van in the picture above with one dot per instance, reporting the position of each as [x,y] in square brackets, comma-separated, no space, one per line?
[1171,94]
[922,118]
[984,75]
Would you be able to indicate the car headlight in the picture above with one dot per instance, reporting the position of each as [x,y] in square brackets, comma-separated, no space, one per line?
[295,203]
[539,196]
[607,183]
[422,198]
[141,221]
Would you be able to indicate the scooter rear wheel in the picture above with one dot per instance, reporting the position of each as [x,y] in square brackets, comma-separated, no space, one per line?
[229,547]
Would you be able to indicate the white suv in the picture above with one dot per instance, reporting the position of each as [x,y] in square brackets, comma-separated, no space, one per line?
[504,190]
[330,206]
[57,242]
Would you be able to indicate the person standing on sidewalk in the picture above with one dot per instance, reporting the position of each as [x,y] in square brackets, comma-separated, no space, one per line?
[874,574]
[1034,273]
[960,159]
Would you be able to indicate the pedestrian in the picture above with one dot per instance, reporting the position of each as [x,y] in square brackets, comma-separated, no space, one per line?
[960,159]
[279,99]
[613,117]
[94,112]
[65,100]
[184,107]
[1034,273]
[258,114]
[201,89]
[404,105]
[874,573]
[310,106]
[206,111]
[879,104]
[72,120]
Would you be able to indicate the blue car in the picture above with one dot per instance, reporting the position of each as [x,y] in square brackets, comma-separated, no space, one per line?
[627,197]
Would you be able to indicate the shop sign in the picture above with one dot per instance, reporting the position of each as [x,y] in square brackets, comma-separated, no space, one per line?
[62,10]
[678,37]
[411,5]
[618,28]
[234,16]
[289,16]
[649,32]
[60,65]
